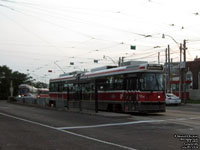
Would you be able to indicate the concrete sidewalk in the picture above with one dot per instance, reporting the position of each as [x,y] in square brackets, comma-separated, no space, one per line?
[193,105]
[100,113]
[77,110]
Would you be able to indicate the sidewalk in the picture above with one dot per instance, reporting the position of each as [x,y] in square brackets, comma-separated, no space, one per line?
[193,105]
[100,113]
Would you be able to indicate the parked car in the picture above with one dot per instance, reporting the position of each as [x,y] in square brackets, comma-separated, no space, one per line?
[172,99]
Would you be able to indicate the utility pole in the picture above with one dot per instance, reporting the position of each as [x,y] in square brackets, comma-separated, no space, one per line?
[11,88]
[158,57]
[169,70]
[96,95]
[180,73]
[184,72]
[119,63]
[123,59]
[166,86]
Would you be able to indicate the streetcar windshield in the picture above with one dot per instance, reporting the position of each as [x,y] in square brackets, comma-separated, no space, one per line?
[152,82]
[23,90]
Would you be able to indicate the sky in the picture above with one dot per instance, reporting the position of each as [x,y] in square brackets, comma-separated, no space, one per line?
[37,35]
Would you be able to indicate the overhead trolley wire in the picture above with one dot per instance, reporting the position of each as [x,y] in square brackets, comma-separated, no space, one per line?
[78,19]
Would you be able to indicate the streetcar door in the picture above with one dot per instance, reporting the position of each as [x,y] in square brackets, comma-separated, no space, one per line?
[131,94]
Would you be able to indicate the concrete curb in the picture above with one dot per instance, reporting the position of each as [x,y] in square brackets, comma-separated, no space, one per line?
[76,110]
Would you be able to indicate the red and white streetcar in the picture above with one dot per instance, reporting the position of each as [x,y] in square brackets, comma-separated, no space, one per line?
[137,87]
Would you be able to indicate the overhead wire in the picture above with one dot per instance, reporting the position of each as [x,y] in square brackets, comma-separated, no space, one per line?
[95,38]
[84,21]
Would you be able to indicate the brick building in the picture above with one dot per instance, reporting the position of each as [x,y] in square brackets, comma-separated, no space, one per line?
[192,79]
[193,70]
[193,67]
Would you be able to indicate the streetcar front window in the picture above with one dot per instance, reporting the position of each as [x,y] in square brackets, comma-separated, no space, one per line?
[23,91]
[152,82]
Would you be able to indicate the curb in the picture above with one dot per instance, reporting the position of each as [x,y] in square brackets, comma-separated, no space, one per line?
[77,110]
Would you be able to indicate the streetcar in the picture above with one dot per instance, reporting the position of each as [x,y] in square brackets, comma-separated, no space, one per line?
[132,88]
[26,90]
[43,93]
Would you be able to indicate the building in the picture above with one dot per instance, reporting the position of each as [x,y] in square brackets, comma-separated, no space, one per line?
[193,73]
[192,82]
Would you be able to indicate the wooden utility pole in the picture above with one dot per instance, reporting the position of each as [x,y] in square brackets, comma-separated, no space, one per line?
[158,57]
[169,70]
[96,95]
[180,73]
[184,72]
[119,63]
[166,81]
[11,88]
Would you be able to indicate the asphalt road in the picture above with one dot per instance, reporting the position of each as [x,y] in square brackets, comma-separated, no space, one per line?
[30,128]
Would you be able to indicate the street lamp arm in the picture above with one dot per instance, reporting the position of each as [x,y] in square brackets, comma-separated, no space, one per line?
[163,36]
[109,58]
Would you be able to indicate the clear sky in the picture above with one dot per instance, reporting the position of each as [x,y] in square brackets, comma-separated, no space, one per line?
[37,35]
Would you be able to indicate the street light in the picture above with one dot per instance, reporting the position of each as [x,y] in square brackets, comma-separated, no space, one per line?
[104,57]
[169,63]
[163,36]
[180,72]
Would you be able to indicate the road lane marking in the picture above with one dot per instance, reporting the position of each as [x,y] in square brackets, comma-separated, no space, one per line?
[69,132]
[111,124]
[63,129]
[126,123]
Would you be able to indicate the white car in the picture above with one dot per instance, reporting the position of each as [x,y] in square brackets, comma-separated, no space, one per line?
[172,99]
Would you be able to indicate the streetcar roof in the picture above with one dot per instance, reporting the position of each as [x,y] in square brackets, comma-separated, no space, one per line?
[115,71]
[146,67]
[43,89]
[64,78]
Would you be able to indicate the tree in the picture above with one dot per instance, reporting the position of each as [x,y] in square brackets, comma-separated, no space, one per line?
[6,75]
[19,78]
[40,85]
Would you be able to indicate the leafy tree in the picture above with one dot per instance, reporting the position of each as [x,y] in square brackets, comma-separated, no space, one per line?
[40,85]
[6,75]
[19,78]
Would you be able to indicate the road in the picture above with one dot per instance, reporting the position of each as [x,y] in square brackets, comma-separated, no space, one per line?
[24,127]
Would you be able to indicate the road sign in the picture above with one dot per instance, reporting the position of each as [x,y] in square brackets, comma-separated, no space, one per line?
[133,47]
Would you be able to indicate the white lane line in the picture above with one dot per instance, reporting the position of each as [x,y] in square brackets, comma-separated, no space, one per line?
[111,124]
[126,123]
[183,119]
[68,132]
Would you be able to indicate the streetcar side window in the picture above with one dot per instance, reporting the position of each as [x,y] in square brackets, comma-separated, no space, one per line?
[52,87]
[60,86]
[103,84]
[131,84]
[118,84]
[65,87]
[111,83]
